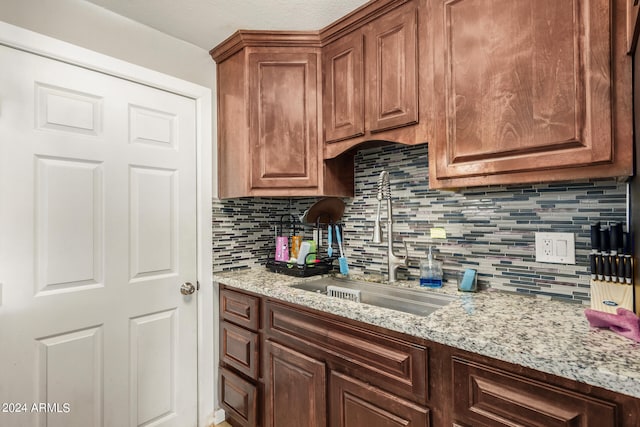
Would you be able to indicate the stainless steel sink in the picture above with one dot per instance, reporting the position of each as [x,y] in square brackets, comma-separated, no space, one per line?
[408,300]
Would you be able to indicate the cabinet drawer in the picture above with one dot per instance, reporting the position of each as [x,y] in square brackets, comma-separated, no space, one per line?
[239,348]
[356,403]
[241,309]
[393,364]
[485,396]
[239,399]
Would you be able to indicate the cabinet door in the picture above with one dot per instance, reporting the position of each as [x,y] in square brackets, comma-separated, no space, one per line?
[357,404]
[283,120]
[485,396]
[343,98]
[391,69]
[295,388]
[521,86]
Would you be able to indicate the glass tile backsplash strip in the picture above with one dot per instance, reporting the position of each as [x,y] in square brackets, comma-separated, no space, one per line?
[490,229]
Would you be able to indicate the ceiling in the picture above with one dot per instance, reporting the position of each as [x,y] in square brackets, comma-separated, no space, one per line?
[205,23]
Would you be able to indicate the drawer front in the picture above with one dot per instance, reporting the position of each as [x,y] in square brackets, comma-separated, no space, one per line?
[486,396]
[239,399]
[356,403]
[241,309]
[239,348]
[390,363]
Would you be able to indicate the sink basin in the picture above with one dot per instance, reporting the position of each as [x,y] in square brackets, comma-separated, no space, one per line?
[414,301]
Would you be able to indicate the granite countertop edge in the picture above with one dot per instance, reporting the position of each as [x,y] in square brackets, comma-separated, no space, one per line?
[546,335]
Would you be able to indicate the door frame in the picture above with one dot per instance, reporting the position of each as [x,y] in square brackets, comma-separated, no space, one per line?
[32,42]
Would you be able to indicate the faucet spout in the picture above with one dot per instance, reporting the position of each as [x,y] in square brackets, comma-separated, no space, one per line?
[393,261]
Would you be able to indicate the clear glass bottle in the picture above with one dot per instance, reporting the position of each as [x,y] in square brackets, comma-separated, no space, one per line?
[430,272]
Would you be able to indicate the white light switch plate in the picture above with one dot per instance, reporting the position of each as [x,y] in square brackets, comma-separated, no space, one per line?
[558,248]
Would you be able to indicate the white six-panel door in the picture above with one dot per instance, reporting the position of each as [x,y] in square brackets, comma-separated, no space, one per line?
[97,234]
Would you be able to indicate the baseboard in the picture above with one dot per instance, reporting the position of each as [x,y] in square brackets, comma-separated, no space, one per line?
[219,416]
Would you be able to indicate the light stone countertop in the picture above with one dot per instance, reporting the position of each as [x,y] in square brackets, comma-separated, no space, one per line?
[546,335]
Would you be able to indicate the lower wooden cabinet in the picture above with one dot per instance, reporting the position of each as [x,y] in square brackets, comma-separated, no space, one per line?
[323,370]
[239,349]
[240,341]
[485,396]
[295,388]
[354,403]
[239,399]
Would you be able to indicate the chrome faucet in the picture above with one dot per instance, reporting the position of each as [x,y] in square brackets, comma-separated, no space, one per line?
[393,261]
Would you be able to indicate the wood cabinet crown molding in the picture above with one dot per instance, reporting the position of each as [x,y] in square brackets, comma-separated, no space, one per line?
[263,38]
[358,18]
[314,38]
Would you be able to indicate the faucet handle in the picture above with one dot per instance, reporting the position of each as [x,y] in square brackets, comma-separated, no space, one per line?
[406,253]
[400,259]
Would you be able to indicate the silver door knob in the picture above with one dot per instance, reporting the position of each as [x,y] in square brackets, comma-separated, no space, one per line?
[187,288]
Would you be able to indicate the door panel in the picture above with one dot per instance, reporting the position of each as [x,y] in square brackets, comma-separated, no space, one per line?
[64,109]
[153,222]
[69,242]
[98,220]
[60,376]
[153,367]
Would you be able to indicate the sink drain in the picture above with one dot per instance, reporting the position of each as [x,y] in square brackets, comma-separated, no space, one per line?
[344,293]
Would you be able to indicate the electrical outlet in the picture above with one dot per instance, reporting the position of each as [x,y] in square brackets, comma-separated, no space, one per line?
[558,248]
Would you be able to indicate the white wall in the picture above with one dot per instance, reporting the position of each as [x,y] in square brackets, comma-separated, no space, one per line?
[92,27]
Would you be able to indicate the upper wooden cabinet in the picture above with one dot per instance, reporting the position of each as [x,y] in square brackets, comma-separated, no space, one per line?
[269,109]
[370,75]
[343,97]
[504,92]
[283,119]
[526,93]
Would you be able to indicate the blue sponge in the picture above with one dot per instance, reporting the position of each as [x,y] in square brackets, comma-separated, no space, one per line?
[468,280]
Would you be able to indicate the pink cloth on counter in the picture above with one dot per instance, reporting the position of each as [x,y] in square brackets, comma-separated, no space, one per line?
[624,322]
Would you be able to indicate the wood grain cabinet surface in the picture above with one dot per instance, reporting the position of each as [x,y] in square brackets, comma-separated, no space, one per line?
[295,388]
[239,398]
[239,349]
[319,369]
[240,357]
[269,111]
[486,396]
[357,404]
[633,26]
[370,77]
[526,94]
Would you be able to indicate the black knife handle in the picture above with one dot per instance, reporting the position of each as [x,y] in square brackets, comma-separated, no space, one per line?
[620,262]
[600,267]
[626,243]
[595,236]
[628,269]
[604,241]
[607,267]
[594,266]
[615,236]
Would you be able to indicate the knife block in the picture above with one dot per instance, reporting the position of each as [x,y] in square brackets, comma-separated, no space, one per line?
[608,296]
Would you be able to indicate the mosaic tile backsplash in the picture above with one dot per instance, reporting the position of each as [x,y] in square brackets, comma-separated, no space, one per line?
[490,229]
